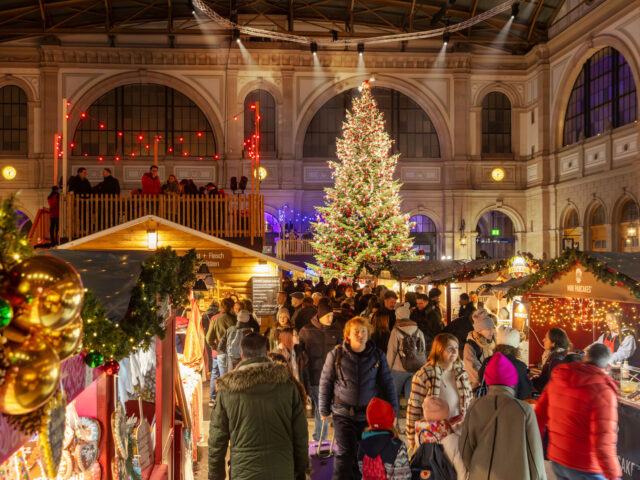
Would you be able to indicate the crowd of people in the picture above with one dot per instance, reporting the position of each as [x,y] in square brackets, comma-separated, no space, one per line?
[362,357]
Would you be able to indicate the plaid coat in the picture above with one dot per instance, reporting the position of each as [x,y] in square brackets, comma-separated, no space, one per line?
[426,382]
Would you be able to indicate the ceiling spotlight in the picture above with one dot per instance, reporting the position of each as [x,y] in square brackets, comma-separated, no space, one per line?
[360,48]
[314,48]
[334,35]
[235,35]
[445,38]
[515,9]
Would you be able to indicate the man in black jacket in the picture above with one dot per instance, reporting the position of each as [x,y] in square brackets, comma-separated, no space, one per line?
[389,307]
[466,307]
[304,315]
[419,315]
[317,339]
[78,184]
[296,303]
[109,184]
[434,314]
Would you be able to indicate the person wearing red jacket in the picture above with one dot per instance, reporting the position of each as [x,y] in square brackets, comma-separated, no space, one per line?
[151,184]
[579,410]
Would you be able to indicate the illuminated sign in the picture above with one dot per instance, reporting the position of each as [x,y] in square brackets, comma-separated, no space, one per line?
[495,232]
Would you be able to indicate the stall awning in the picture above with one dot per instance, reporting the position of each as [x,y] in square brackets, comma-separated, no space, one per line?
[474,268]
[509,284]
[110,275]
[410,270]
[625,263]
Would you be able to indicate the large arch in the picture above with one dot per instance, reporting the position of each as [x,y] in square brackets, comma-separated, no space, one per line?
[315,103]
[568,79]
[512,94]
[517,219]
[616,212]
[29,90]
[92,91]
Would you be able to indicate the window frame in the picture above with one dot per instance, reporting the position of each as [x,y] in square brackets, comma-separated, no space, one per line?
[16,110]
[489,136]
[268,121]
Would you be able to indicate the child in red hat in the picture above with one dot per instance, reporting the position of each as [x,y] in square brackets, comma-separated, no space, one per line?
[382,455]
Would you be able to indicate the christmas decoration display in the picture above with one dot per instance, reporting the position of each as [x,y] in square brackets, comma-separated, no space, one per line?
[361,219]
[94,358]
[111,367]
[52,433]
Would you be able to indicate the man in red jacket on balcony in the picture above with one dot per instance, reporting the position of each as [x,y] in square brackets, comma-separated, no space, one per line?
[579,409]
[151,182]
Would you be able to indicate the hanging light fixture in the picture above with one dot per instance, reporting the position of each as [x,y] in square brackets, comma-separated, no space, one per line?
[204,269]
[200,286]
[152,239]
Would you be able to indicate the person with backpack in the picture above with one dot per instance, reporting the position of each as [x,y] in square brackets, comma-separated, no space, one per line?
[406,352]
[353,373]
[438,453]
[480,345]
[500,439]
[508,343]
[230,342]
[443,376]
[382,455]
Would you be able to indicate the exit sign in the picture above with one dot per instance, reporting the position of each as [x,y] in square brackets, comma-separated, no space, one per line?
[495,232]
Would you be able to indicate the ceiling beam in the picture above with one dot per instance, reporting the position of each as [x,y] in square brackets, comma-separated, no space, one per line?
[107,15]
[42,15]
[532,24]
[170,16]
[290,17]
[348,25]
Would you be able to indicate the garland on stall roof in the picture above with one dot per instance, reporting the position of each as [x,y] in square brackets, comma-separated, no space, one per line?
[164,275]
[466,275]
[566,261]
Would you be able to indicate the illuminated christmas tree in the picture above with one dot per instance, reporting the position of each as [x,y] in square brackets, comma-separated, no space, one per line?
[361,219]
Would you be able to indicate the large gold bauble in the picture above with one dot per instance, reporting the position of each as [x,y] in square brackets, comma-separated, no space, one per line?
[32,377]
[66,340]
[47,293]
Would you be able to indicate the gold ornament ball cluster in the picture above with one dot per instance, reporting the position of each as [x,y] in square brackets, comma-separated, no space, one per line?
[46,294]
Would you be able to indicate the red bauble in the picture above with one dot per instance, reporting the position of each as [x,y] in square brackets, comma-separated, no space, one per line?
[111,367]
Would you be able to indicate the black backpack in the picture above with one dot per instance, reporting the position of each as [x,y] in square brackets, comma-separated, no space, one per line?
[411,350]
[431,462]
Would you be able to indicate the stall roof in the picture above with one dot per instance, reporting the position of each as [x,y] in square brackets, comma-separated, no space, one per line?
[474,268]
[408,270]
[110,275]
[183,238]
[625,263]
[509,284]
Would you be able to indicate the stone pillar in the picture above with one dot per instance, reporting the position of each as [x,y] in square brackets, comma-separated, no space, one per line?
[51,121]
[461,105]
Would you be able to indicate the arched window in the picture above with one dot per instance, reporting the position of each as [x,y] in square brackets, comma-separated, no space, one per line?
[409,125]
[571,228]
[267,106]
[629,226]
[597,229]
[572,220]
[125,121]
[496,123]
[13,120]
[423,233]
[603,95]
[422,224]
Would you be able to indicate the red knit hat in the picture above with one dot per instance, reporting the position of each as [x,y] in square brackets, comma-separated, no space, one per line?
[380,414]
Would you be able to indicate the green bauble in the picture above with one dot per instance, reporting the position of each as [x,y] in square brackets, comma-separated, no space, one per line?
[6,313]
[94,358]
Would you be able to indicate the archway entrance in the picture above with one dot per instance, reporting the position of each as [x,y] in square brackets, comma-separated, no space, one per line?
[423,233]
[496,237]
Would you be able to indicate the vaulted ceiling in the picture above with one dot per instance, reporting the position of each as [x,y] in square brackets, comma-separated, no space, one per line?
[323,19]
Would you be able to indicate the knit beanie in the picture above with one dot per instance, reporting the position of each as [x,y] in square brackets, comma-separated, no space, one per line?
[500,371]
[434,409]
[284,311]
[380,414]
[508,336]
[324,308]
[481,320]
[402,311]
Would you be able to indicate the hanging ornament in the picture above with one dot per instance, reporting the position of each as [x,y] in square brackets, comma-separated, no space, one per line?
[6,312]
[111,367]
[52,433]
[94,358]
[67,340]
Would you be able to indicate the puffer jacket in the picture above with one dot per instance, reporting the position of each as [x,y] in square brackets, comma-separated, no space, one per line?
[348,385]
[409,328]
[500,439]
[316,341]
[579,409]
[258,400]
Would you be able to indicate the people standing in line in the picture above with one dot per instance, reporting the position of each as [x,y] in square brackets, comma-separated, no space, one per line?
[151,182]
[500,438]
[579,410]
[381,333]
[443,376]
[317,339]
[79,185]
[435,427]
[389,300]
[353,373]
[109,184]
[479,345]
[217,328]
[54,215]
[508,343]
[258,400]
[171,186]
[381,445]
[618,338]
[406,351]
[556,346]
[303,316]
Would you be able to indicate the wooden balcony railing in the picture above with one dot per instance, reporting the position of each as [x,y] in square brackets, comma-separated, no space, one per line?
[288,246]
[231,216]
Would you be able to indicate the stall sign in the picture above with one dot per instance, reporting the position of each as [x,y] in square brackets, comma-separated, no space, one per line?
[519,267]
[215,258]
[264,291]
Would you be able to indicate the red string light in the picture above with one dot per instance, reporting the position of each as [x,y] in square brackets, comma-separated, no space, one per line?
[83,115]
[199,134]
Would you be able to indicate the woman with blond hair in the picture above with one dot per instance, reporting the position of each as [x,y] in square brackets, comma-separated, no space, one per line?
[353,373]
[443,376]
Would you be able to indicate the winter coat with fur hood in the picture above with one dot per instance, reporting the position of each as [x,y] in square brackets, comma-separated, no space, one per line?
[258,400]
